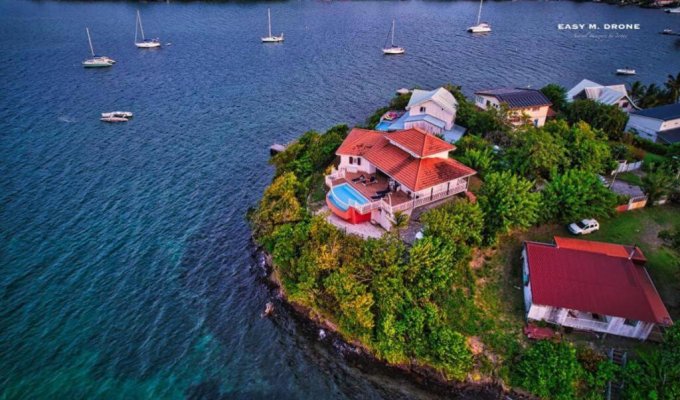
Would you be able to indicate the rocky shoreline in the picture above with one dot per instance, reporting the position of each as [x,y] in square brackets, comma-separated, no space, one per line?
[360,357]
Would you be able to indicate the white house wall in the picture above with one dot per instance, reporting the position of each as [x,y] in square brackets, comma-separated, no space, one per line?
[645,127]
[435,110]
[365,166]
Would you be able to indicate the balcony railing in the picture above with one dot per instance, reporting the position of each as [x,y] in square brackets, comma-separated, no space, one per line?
[586,324]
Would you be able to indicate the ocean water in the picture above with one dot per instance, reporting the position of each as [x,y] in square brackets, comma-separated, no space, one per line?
[126,270]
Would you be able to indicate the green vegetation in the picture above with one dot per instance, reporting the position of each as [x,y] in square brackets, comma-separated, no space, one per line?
[450,301]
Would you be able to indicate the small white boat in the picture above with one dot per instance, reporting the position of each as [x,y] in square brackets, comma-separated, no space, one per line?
[480,27]
[271,38]
[625,71]
[393,49]
[113,119]
[117,114]
[144,43]
[675,10]
[96,61]
[403,91]
[667,31]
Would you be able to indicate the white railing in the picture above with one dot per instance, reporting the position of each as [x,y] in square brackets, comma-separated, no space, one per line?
[586,324]
[413,203]
[334,175]
[624,166]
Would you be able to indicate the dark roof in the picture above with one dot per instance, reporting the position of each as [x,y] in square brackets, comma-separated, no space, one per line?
[664,113]
[518,97]
[670,136]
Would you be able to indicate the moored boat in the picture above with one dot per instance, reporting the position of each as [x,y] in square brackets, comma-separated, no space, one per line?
[480,27]
[117,114]
[393,48]
[96,61]
[625,71]
[144,43]
[271,38]
[113,119]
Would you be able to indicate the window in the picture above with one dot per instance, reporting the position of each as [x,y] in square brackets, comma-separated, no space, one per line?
[351,160]
[358,161]
[422,109]
[488,103]
[536,122]
[630,322]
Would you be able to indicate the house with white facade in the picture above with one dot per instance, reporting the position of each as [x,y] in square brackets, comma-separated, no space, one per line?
[524,105]
[611,95]
[433,111]
[381,173]
[593,286]
[659,124]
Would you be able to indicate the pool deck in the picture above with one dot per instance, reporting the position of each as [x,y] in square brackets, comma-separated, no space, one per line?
[364,230]
[368,190]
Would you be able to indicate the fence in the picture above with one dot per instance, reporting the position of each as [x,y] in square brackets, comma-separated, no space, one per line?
[633,203]
[624,166]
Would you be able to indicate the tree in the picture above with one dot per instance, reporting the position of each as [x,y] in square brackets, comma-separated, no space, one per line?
[279,205]
[400,221]
[458,221]
[609,118]
[536,151]
[508,202]
[549,370]
[449,349]
[658,183]
[433,265]
[557,95]
[482,161]
[575,195]
[586,148]
[673,86]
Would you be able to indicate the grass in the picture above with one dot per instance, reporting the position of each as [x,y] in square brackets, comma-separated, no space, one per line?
[653,158]
[629,177]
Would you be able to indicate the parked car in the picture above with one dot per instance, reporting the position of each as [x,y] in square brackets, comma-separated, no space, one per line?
[584,227]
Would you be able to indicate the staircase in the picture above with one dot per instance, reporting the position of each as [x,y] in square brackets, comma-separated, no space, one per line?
[618,357]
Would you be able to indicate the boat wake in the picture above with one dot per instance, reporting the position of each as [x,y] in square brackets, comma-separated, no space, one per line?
[67,119]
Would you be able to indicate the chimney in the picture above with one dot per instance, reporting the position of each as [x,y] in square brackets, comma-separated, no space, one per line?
[632,252]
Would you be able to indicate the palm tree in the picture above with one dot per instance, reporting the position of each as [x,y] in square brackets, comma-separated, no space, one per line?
[637,90]
[673,86]
[400,221]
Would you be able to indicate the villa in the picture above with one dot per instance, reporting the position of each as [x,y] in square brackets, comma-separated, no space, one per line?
[381,173]
[593,286]
[524,105]
[611,95]
[659,124]
[433,111]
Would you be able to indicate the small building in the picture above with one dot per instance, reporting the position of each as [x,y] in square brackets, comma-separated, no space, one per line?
[524,105]
[433,111]
[593,286]
[382,173]
[659,124]
[611,95]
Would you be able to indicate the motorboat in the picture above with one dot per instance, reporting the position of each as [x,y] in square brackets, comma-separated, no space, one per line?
[117,114]
[113,119]
[625,71]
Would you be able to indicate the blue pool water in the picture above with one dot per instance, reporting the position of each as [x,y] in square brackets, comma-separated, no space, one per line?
[383,125]
[344,195]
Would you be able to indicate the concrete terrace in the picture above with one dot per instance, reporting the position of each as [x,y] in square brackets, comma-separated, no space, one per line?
[365,230]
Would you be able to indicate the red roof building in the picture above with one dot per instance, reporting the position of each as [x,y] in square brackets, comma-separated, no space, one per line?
[595,286]
[407,169]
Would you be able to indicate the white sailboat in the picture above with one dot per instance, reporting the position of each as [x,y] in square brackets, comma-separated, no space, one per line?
[271,38]
[625,71]
[393,49]
[96,61]
[144,43]
[482,27]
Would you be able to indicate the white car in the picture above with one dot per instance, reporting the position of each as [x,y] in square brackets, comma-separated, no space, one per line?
[584,227]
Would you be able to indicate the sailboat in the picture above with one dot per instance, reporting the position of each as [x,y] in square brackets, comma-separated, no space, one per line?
[393,49]
[96,61]
[480,27]
[145,43]
[271,38]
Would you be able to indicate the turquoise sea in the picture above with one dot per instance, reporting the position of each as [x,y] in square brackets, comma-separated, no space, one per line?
[126,270]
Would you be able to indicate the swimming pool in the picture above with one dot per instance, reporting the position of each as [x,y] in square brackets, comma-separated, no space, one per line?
[343,196]
[383,126]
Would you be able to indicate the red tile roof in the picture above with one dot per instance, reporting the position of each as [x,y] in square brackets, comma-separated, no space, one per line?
[611,249]
[414,173]
[587,279]
[419,143]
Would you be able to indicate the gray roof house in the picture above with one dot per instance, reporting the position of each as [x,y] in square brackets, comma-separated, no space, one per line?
[610,95]
[659,124]
[523,104]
